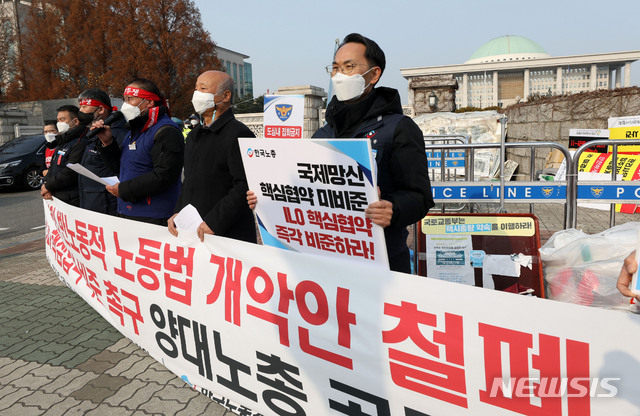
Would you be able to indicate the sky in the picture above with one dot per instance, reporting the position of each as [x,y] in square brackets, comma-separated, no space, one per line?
[291,41]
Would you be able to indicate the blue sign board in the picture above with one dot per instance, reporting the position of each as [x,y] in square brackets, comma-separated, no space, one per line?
[452,160]
[529,192]
[617,192]
[605,192]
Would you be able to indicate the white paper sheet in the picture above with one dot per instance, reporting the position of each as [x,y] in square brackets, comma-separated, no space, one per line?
[503,265]
[109,180]
[188,218]
[448,258]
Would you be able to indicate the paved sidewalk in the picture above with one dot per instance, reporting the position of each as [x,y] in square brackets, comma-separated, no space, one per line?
[60,357]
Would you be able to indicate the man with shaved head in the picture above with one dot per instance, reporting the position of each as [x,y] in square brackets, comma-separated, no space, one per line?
[214,179]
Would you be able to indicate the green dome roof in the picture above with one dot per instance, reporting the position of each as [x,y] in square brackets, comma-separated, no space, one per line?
[509,45]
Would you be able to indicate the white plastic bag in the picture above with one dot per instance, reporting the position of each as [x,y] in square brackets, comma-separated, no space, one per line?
[583,268]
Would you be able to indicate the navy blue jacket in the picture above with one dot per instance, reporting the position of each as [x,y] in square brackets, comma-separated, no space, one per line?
[149,166]
[398,143]
[93,195]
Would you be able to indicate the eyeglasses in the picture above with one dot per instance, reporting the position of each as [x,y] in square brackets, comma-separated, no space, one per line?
[346,69]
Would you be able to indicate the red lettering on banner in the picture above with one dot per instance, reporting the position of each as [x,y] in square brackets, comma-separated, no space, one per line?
[261,289]
[433,378]
[149,258]
[154,257]
[116,306]
[124,257]
[90,241]
[546,363]
[232,287]
[90,280]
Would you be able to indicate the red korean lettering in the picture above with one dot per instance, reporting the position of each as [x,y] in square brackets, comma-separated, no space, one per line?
[263,297]
[124,257]
[443,379]
[232,286]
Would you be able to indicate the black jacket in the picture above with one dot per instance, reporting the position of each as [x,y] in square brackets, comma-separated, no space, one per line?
[214,179]
[93,195]
[398,142]
[61,181]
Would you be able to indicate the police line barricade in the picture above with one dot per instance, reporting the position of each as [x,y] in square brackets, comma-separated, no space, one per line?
[495,251]
[492,191]
[470,191]
[447,162]
[611,192]
[267,331]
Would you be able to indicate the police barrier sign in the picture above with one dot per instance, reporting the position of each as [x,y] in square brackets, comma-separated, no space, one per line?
[452,160]
[605,192]
[609,193]
[265,331]
[490,191]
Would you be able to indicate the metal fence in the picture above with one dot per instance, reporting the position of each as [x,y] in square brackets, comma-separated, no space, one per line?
[567,192]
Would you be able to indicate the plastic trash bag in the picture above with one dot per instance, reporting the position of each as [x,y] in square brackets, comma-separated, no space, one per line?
[584,268]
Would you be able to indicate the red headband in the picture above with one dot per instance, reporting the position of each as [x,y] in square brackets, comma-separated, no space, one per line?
[138,92]
[95,103]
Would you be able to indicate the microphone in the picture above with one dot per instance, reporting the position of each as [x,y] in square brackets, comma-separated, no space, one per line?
[113,117]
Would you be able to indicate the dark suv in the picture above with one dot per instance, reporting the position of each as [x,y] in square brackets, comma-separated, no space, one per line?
[22,161]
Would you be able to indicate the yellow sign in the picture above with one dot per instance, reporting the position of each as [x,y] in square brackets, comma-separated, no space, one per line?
[455,225]
[627,132]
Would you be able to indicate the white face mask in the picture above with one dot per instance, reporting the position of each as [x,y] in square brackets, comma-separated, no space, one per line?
[202,101]
[50,137]
[130,111]
[194,123]
[62,126]
[348,87]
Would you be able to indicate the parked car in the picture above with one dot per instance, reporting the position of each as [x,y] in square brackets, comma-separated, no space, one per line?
[22,161]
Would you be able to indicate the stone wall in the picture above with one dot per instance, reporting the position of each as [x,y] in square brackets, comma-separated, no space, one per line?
[30,115]
[8,119]
[443,86]
[551,118]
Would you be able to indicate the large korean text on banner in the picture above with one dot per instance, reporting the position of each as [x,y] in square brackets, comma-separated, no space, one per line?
[265,331]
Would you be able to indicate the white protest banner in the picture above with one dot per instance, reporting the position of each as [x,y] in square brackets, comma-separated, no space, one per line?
[283,116]
[312,195]
[272,332]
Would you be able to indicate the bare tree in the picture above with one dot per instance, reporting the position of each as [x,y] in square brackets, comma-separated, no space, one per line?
[71,45]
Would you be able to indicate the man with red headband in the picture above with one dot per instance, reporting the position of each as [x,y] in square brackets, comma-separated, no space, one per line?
[95,105]
[150,161]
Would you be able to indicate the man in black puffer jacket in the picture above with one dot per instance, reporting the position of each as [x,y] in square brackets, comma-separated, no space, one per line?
[359,110]
[61,181]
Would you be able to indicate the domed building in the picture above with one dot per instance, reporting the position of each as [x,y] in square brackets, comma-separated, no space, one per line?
[511,68]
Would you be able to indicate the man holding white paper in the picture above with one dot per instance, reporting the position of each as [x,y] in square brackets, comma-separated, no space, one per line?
[214,179]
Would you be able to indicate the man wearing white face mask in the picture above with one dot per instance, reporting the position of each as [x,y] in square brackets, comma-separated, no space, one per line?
[50,131]
[60,181]
[359,110]
[214,179]
[150,160]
